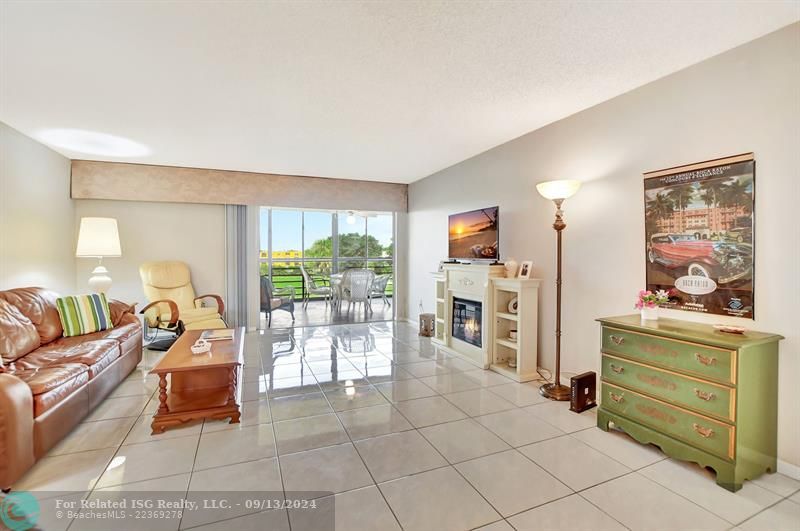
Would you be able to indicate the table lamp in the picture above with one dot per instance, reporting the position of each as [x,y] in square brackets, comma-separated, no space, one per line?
[557,191]
[98,238]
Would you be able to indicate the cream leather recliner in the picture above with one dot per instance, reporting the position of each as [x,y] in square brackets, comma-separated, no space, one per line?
[173,305]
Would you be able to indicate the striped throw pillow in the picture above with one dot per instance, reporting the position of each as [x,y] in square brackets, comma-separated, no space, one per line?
[84,314]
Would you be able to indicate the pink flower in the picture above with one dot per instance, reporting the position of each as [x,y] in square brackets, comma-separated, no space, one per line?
[638,305]
[651,304]
[648,292]
[642,293]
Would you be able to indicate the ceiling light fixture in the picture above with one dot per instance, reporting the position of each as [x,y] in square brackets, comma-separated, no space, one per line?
[92,143]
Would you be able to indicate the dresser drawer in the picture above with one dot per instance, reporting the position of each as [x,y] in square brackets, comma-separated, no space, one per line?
[702,396]
[701,432]
[690,358]
[466,281]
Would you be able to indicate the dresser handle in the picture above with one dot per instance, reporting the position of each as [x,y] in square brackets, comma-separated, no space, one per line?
[702,395]
[618,370]
[618,340]
[704,432]
[704,359]
[616,398]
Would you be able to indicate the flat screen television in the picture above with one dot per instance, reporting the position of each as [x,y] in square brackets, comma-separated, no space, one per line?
[474,235]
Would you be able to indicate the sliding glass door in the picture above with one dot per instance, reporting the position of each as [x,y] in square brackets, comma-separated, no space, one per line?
[324,243]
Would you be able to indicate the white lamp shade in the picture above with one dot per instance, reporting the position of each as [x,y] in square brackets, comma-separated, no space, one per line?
[98,237]
[558,189]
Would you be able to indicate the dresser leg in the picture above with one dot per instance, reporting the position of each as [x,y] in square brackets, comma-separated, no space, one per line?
[602,420]
[726,478]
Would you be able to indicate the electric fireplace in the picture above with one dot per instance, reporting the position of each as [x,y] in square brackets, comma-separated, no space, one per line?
[467,321]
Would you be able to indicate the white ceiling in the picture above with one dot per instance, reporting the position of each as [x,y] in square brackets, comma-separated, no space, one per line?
[387,91]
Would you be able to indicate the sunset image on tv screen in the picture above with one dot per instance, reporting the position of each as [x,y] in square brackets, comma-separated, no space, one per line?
[473,235]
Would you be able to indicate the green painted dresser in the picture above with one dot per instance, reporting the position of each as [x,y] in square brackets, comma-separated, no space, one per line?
[699,394]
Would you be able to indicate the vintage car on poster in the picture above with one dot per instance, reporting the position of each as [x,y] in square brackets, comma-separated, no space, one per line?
[699,235]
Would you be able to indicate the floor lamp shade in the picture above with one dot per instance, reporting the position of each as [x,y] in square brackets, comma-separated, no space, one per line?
[98,238]
[558,189]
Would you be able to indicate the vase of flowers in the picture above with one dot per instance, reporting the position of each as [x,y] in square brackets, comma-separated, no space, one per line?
[649,302]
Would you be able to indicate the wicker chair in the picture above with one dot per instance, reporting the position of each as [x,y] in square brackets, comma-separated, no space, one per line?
[379,288]
[312,288]
[275,299]
[356,287]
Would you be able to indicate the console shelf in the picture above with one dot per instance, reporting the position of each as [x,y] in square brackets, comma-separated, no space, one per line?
[509,316]
[525,322]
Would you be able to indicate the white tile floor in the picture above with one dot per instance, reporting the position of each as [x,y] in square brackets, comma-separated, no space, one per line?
[395,434]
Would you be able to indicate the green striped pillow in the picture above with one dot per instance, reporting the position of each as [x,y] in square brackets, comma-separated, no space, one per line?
[84,314]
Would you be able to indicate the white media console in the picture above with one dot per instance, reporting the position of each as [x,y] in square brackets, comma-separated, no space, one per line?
[473,320]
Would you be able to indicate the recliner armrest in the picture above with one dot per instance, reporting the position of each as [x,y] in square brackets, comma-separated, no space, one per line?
[220,303]
[174,314]
[16,429]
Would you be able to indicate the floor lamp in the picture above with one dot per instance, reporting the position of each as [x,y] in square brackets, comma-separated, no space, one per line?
[557,191]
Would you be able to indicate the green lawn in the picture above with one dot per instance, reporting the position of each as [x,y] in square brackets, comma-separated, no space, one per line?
[295,280]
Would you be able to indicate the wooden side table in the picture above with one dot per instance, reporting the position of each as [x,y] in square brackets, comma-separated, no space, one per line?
[204,386]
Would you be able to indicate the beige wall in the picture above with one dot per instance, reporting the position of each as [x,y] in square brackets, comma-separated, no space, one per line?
[747,99]
[36,214]
[192,233]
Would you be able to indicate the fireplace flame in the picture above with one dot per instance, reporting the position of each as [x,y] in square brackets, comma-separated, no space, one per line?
[471,326]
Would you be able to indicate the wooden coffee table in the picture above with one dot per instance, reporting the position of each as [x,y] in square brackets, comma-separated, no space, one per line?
[204,386]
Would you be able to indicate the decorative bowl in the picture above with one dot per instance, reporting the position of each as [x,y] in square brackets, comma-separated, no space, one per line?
[513,305]
[201,346]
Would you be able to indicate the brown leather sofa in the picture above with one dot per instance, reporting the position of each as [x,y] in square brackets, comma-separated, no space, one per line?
[49,383]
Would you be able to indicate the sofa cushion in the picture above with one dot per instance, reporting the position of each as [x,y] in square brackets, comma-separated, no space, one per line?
[120,310]
[127,327]
[51,385]
[97,355]
[18,336]
[46,379]
[38,305]
[84,314]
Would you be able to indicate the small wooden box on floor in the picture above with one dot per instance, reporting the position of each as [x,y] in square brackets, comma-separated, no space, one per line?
[701,395]
[204,386]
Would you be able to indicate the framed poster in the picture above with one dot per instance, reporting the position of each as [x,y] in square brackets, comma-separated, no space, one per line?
[699,235]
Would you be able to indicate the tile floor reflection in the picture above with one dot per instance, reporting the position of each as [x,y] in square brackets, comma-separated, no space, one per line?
[394,433]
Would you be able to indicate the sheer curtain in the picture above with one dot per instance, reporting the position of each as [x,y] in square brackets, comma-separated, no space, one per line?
[236,270]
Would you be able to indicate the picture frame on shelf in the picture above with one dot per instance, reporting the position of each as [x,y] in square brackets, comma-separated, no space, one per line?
[525,269]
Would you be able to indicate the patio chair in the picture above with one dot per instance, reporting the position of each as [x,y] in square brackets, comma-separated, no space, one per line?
[312,288]
[276,299]
[379,288]
[356,286]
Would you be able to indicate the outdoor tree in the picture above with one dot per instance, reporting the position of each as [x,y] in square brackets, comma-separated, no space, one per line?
[350,245]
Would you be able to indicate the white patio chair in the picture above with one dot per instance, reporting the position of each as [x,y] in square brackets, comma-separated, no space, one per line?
[379,288]
[312,288]
[356,286]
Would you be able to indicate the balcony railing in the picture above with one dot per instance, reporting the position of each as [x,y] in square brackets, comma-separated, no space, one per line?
[285,274]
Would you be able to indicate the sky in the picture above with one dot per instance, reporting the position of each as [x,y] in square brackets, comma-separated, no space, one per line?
[287,230]
[468,222]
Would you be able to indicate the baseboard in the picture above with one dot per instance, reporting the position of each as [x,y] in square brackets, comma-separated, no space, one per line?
[788,469]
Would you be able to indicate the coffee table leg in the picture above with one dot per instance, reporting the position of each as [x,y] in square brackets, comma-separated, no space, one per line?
[232,377]
[162,394]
